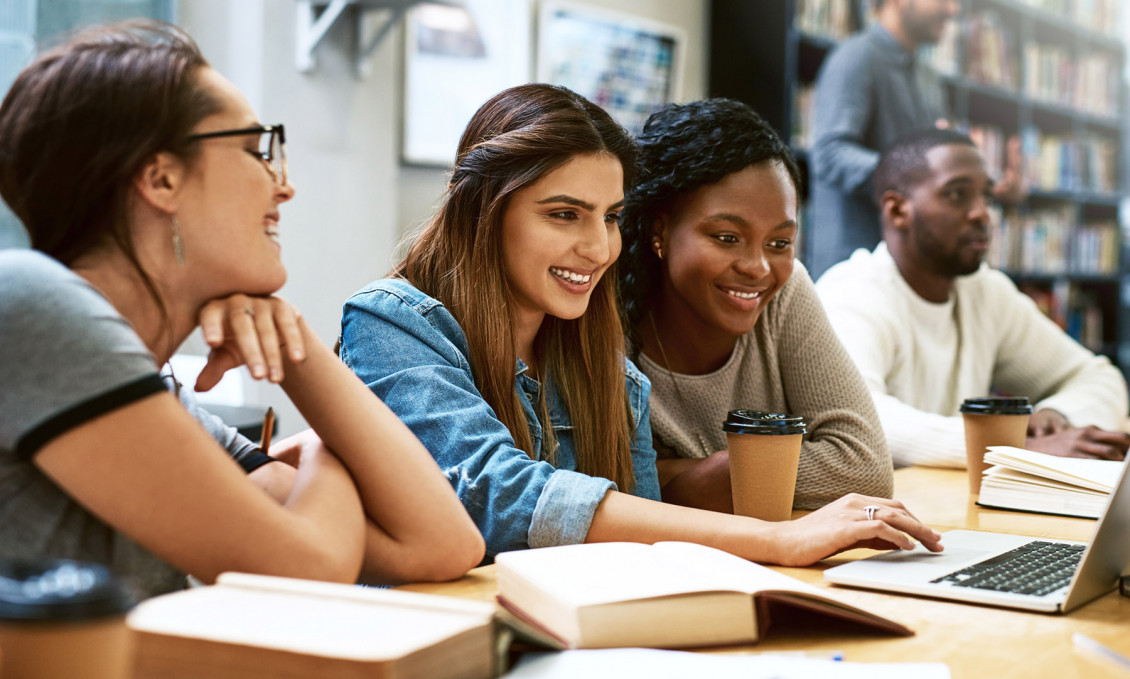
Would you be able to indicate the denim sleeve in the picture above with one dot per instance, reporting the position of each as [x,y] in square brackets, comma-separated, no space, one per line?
[643,453]
[410,355]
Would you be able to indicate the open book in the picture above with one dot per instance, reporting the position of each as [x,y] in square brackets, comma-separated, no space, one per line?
[1037,482]
[260,626]
[666,595]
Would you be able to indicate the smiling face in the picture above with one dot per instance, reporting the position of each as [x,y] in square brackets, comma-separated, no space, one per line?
[559,236]
[728,248]
[948,212]
[229,204]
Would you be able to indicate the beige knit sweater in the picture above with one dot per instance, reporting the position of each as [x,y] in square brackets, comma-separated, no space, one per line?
[790,362]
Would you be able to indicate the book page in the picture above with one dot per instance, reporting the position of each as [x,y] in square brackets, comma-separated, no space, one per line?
[608,572]
[1099,475]
[716,568]
[1003,477]
[354,627]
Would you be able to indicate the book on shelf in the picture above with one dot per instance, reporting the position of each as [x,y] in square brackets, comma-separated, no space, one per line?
[248,626]
[1057,162]
[1037,482]
[990,50]
[1101,16]
[1089,83]
[828,18]
[666,595]
[991,140]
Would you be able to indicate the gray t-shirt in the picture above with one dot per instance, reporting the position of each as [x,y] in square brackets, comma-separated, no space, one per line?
[66,357]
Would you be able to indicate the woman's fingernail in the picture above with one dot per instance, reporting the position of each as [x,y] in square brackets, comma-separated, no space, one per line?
[276,375]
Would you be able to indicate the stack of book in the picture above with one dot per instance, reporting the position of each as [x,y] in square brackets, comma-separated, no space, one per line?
[1036,482]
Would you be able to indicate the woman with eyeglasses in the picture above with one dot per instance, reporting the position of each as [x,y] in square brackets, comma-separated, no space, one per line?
[151,195]
[498,341]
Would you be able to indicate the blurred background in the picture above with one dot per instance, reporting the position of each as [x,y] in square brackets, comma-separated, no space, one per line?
[374,93]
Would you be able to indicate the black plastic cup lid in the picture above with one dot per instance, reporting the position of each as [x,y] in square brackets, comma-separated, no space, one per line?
[997,406]
[762,423]
[49,590]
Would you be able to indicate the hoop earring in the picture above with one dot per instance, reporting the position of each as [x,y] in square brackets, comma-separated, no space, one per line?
[178,244]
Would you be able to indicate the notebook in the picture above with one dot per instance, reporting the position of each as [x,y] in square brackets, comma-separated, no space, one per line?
[1006,570]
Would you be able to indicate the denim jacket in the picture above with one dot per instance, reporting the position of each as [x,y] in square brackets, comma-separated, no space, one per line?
[412,353]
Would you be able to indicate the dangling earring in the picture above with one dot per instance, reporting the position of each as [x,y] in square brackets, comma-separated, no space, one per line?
[178,244]
[658,247]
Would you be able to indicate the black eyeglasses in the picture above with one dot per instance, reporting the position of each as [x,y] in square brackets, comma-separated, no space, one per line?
[272,146]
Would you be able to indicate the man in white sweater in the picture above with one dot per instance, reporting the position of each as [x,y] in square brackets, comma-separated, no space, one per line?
[929,324]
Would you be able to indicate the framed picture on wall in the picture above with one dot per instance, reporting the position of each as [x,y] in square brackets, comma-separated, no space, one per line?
[628,65]
[455,59]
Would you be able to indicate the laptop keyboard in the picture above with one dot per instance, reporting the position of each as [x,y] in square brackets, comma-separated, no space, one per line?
[1037,568]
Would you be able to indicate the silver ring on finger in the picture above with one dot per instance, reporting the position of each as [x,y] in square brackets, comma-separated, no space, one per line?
[249,311]
[870,510]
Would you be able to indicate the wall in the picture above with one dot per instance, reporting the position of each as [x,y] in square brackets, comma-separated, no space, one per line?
[354,201]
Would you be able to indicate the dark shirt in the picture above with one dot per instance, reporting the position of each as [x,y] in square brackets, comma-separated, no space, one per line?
[869,92]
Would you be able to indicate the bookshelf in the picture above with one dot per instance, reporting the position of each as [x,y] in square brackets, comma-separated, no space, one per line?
[1047,75]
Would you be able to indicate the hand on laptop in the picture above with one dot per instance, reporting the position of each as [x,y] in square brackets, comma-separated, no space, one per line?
[845,524]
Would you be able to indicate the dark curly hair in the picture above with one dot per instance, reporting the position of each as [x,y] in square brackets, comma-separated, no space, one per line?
[683,147]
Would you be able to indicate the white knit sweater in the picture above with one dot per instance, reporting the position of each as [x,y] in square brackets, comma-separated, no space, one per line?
[921,359]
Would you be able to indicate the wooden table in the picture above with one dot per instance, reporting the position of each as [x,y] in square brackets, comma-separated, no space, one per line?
[975,641]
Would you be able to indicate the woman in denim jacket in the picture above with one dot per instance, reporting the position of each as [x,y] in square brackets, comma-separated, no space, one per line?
[498,342]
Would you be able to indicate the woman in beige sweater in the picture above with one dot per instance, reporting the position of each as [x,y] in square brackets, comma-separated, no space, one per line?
[722,316]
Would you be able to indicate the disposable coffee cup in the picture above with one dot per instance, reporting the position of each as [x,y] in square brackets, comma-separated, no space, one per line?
[992,422]
[62,618]
[764,453]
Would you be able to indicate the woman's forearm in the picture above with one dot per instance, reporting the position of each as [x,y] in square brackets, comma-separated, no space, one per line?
[419,528]
[623,517]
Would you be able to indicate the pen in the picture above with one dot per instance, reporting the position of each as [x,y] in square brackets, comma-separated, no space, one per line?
[268,430]
[836,656]
[1086,643]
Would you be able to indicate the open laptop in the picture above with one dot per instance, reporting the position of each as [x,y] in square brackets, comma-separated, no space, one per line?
[1037,574]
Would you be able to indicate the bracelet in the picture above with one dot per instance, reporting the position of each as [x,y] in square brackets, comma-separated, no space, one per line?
[255,459]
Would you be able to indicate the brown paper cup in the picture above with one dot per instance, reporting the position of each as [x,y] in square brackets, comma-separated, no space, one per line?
[763,472]
[63,618]
[100,649]
[982,431]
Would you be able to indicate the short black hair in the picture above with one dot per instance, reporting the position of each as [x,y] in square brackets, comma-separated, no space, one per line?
[683,147]
[903,163]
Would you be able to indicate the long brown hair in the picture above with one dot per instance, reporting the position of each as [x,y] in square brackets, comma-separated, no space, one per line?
[512,141]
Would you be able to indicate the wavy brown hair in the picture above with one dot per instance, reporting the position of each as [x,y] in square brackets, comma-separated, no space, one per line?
[516,138]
